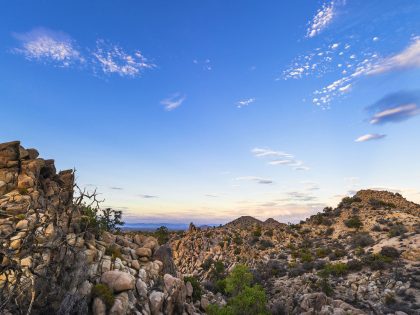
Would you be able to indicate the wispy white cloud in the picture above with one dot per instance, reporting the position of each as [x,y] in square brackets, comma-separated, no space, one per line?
[409,58]
[259,180]
[323,17]
[279,158]
[147,196]
[403,112]
[395,107]
[369,137]
[48,46]
[173,102]
[263,152]
[245,102]
[112,59]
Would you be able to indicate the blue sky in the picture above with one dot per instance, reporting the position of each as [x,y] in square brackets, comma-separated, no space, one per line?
[207,110]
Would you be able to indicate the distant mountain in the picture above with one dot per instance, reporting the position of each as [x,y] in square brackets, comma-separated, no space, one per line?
[245,221]
[153,226]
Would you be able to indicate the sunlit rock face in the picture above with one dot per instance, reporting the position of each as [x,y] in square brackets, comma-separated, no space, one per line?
[52,264]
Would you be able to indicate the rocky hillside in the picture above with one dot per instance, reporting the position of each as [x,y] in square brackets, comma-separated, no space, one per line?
[54,262]
[362,257]
[57,256]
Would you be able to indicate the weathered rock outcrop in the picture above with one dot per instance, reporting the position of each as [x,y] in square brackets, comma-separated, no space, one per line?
[50,263]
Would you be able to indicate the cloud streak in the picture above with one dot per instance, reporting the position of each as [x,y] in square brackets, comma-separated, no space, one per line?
[279,158]
[258,180]
[173,102]
[409,58]
[245,102]
[147,196]
[370,137]
[395,107]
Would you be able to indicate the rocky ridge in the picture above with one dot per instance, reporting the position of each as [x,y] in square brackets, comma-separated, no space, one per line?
[50,263]
[360,258]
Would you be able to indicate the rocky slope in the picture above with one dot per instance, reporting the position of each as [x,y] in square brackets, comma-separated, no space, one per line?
[362,257]
[52,264]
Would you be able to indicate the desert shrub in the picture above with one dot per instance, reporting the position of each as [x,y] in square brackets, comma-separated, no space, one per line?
[238,279]
[376,228]
[376,203]
[329,231]
[319,264]
[113,251]
[162,235]
[257,231]
[306,256]
[354,265]
[99,220]
[362,240]
[23,191]
[103,292]
[377,261]
[218,270]
[359,251]
[397,230]
[237,251]
[338,269]
[353,222]
[347,201]
[207,264]
[20,216]
[308,265]
[324,285]
[264,244]
[390,252]
[251,300]
[296,271]
[269,233]
[322,252]
[306,243]
[196,287]
[237,240]
[337,253]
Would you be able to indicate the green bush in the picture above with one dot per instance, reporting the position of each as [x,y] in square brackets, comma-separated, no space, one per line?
[98,220]
[103,292]
[306,256]
[257,231]
[347,201]
[113,251]
[162,234]
[397,230]
[322,252]
[237,240]
[377,261]
[329,231]
[196,287]
[354,222]
[264,244]
[362,240]
[269,233]
[238,279]
[338,269]
[23,191]
[376,203]
[245,299]
[390,252]
[325,286]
